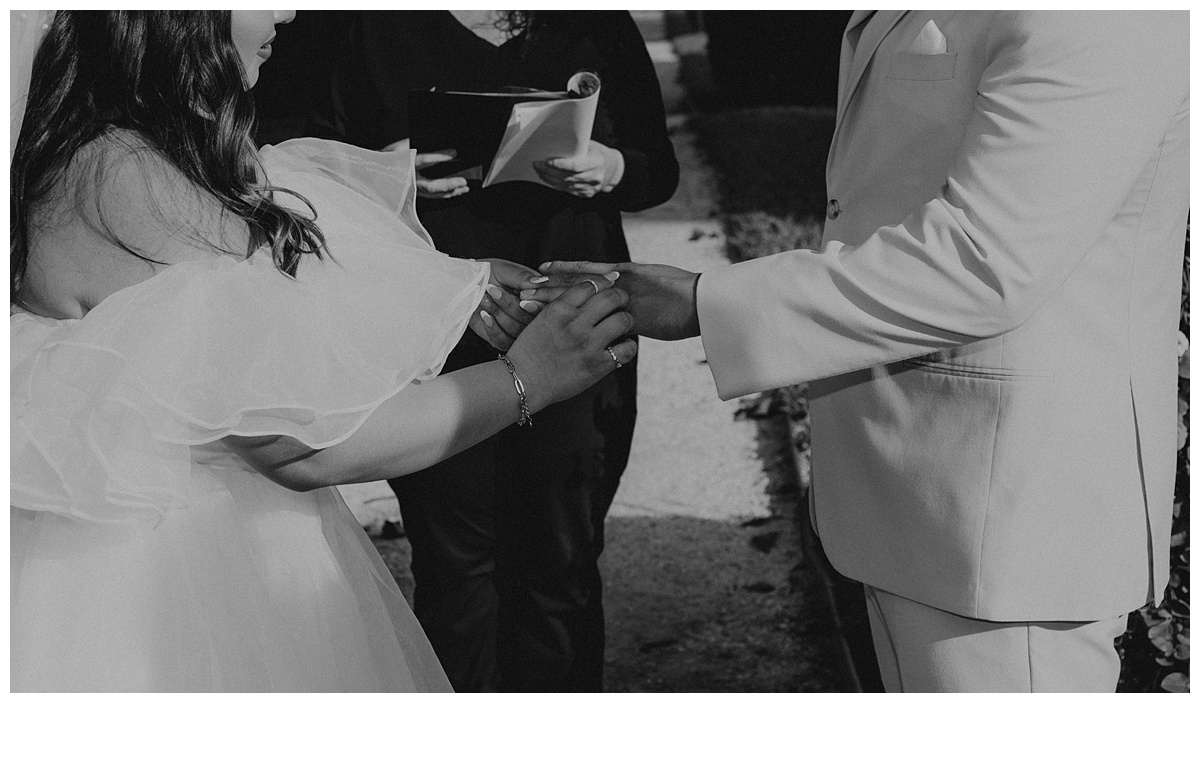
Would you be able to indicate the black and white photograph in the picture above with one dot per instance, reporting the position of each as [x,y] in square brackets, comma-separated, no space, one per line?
[713,351]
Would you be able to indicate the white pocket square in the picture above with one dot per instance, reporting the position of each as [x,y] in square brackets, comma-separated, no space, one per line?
[929,41]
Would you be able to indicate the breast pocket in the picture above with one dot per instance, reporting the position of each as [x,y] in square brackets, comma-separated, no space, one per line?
[909,67]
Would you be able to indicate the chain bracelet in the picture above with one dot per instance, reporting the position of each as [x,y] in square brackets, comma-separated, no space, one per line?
[522,401]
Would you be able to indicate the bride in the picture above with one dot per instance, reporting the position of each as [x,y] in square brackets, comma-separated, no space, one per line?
[204,339]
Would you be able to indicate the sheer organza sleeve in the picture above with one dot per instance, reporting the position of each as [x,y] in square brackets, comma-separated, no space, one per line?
[105,410]
[383,178]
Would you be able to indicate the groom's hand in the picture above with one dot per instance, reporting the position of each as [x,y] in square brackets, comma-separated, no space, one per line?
[662,299]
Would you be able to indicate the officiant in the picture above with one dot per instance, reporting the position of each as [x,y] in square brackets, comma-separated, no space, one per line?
[506,535]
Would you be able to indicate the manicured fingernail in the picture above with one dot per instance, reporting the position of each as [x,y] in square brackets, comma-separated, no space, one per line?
[612,276]
[544,267]
[530,306]
[539,280]
[487,318]
[495,292]
[527,293]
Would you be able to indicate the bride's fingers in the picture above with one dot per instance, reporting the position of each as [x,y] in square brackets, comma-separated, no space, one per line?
[542,296]
[549,294]
[511,326]
[514,276]
[495,336]
[531,306]
[575,297]
[610,327]
[624,351]
[560,283]
[605,306]
[499,300]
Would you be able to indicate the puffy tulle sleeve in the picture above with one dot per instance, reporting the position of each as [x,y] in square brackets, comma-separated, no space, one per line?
[383,178]
[105,410]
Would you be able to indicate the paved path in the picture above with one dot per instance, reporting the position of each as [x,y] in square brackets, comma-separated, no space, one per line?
[690,457]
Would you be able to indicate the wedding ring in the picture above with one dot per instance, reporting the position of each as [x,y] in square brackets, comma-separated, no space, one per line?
[614,358]
[597,287]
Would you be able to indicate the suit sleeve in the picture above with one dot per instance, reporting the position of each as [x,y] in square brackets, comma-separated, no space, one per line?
[1069,109]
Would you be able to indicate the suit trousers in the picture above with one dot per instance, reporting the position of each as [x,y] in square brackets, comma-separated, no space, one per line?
[923,650]
[506,536]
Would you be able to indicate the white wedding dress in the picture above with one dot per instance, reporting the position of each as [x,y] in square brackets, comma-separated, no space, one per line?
[145,556]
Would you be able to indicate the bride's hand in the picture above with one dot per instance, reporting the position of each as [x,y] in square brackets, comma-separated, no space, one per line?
[561,275]
[567,348]
[502,315]
[596,171]
[445,187]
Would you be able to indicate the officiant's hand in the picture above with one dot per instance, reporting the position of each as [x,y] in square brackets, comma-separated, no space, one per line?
[446,187]
[502,315]
[596,171]
[662,299]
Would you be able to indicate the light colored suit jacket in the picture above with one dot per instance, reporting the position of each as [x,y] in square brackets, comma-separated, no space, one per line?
[990,327]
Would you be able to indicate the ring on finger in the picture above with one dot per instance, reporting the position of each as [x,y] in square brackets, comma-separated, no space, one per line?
[613,354]
[597,287]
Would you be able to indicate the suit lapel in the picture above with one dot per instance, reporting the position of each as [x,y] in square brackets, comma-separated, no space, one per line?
[858,47]
[846,58]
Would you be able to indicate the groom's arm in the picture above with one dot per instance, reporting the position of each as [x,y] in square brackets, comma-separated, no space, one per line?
[1068,111]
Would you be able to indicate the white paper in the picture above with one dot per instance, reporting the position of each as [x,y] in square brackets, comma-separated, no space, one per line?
[538,130]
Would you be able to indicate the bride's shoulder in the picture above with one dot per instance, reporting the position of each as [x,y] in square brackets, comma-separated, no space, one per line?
[119,212]
[121,180]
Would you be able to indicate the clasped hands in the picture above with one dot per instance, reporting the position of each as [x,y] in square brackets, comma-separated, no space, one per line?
[661,298]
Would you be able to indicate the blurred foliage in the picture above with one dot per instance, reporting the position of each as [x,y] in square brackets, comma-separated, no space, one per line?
[770,166]
[1156,649]
[756,55]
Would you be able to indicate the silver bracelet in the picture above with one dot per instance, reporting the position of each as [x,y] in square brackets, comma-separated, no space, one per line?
[526,416]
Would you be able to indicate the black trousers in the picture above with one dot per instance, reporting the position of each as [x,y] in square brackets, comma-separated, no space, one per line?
[505,541]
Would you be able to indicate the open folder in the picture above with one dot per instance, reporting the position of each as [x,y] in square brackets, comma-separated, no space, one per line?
[498,135]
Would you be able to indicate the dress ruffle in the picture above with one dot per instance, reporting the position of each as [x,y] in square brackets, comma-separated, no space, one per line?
[209,576]
[106,409]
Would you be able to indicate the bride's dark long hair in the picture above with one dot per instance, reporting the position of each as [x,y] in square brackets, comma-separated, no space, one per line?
[173,78]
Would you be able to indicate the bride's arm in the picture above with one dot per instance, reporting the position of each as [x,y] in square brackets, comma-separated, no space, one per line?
[559,355]
[420,426]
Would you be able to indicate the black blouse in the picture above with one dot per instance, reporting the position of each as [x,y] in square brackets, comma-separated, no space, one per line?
[390,53]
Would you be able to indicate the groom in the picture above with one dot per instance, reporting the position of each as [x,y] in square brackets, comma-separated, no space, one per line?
[989,332]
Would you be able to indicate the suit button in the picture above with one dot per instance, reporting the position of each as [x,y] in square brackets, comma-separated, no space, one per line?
[834,209]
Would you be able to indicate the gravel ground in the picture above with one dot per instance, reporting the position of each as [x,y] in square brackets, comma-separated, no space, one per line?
[717,605]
